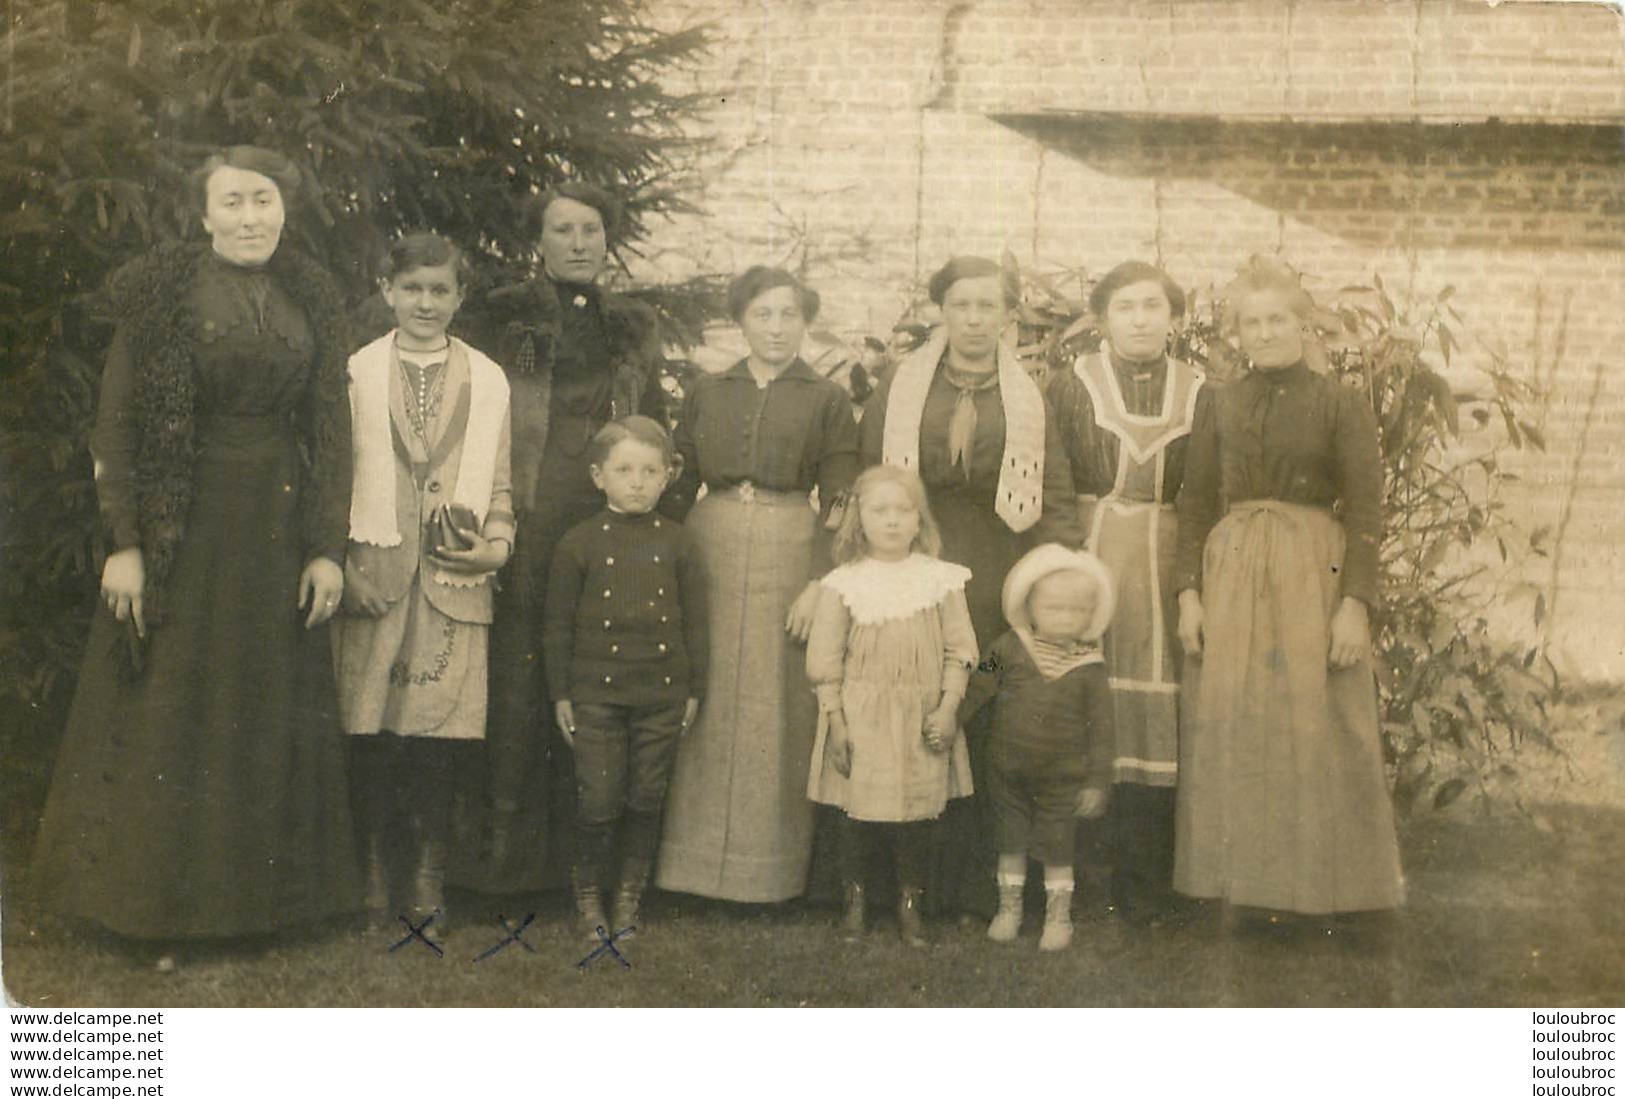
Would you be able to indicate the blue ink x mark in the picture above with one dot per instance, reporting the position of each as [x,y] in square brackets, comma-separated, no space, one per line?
[416,932]
[606,945]
[514,936]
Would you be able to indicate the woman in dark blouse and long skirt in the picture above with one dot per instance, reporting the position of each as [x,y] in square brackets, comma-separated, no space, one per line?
[1283,801]
[760,436]
[577,356]
[200,787]
[964,414]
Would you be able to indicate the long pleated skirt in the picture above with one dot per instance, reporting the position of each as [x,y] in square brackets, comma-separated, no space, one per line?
[738,822]
[1282,800]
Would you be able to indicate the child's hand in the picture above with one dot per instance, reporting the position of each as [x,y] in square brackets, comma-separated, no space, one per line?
[361,597]
[481,556]
[941,726]
[565,714]
[1091,804]
[690,709]
[839,744]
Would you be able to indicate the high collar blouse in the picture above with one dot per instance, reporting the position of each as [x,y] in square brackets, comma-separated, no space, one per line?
[253,350]
[790,435]
[1291,435]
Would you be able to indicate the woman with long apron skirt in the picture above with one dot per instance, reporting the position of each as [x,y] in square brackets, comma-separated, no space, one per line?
[1125,417]
[1283,801]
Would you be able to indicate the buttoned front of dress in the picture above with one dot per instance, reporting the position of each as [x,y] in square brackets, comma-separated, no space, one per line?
[1291,435]
[795,433]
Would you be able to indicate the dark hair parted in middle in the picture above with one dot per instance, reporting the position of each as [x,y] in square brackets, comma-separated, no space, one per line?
[424,249]
[1128,273]
[250,158]
[973,267]
[758,281]
[641,428]
[588,194]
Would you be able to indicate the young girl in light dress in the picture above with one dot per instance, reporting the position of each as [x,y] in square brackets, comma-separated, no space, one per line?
[431,520]
[890,655]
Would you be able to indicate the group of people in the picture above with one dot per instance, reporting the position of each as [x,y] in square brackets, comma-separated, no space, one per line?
[342,579]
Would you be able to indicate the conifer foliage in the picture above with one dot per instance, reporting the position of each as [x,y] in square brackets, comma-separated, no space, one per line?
[402,114]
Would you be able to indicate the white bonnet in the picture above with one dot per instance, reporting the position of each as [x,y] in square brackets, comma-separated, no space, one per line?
[1053,557]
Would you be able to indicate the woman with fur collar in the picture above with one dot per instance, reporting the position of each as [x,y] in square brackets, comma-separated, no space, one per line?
[577,357]
[199,790]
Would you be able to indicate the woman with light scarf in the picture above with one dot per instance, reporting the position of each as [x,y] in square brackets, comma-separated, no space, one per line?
[963,413]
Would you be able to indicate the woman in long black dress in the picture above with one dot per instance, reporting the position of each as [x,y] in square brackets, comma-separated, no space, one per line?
[200,786]
[963,412]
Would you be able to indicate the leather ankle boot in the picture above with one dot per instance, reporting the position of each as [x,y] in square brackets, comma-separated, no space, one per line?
[589,907]
[629,895]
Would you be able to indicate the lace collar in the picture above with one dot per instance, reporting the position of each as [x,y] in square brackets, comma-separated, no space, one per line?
[883,591]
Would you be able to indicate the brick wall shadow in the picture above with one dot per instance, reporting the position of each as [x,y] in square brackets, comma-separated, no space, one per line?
[1378,185]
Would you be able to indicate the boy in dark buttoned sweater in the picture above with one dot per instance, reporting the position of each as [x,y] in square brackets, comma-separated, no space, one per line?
[624,647]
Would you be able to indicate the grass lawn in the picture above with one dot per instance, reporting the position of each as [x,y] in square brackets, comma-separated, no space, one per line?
[1504,911]
[1507,907]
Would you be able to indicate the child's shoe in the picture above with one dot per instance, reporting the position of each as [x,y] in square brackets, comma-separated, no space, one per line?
[629,895]
[1006,923]
[589,908]
[1057,920]
[909,923]
[853,913]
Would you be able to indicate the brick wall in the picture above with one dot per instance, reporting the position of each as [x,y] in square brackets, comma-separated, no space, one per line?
[863,143]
